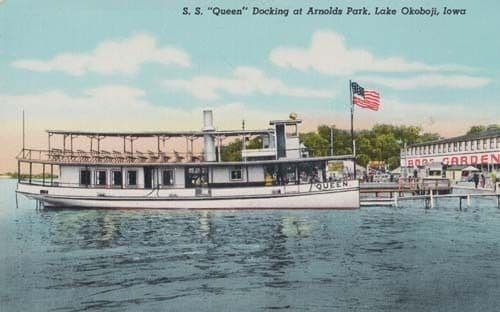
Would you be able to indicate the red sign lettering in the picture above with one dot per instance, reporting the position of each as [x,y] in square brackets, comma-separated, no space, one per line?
[463,160]
[473,160]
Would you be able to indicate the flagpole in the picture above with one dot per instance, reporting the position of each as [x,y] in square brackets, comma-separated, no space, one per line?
[352,128]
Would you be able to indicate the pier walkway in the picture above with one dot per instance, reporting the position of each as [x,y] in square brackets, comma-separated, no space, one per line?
[429,199]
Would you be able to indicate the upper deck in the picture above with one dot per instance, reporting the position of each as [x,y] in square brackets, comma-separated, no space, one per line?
[114,158]
[279,143]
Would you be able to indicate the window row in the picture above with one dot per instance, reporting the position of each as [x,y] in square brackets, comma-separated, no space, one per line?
[462,146]
[116,177]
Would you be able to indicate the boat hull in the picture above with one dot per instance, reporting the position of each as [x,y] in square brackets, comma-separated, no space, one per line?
[274,198]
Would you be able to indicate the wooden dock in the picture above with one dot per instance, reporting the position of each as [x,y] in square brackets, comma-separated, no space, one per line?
[429,200]
[407,186]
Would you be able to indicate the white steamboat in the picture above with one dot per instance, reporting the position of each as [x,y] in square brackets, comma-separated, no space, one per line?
[280,173]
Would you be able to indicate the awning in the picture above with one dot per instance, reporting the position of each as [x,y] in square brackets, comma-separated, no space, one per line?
[470,168]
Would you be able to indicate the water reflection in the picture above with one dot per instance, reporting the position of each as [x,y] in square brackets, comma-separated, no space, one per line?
[105,251]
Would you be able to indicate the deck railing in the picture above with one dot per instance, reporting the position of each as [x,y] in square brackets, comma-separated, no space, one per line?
[422,184]
[109,157]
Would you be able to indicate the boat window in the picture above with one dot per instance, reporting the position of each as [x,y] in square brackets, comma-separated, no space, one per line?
[100,177]
[168,177]
[132,177]
[196,176]
[236,174]
[117,178]
[291,131]
[85,177]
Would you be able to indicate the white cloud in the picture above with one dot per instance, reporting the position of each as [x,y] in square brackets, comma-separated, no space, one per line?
[110,57]
[117,107]
[244,81]
[428,81]
[329,54]
[108,108]
[445,118]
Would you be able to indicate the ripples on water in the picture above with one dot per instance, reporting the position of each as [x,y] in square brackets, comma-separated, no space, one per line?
[375,259]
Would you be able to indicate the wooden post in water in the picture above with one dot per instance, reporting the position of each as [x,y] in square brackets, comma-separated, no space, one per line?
[468,200]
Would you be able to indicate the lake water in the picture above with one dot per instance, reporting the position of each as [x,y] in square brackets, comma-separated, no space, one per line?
[371,259]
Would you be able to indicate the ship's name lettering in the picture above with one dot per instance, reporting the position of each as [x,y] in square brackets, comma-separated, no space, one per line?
[457,160]
[330,185]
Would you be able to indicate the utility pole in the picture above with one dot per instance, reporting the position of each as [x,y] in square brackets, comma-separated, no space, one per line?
[24,135]
[331,140]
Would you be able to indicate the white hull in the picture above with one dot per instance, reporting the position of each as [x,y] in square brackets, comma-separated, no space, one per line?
[279,197]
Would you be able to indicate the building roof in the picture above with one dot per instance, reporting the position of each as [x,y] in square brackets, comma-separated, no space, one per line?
[491,133]
[160,133]
[456,167]
[286,121]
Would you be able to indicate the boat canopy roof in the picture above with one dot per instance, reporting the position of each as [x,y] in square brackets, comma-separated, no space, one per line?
[226,133]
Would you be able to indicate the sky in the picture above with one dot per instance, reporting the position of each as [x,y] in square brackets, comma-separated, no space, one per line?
[144,65]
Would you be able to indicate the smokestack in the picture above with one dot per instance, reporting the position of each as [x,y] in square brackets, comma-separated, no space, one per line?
[208,139]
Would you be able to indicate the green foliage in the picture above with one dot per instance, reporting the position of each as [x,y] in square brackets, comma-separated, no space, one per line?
[480,129]
[317,145]
[476,130]
[382,142]
[232,151]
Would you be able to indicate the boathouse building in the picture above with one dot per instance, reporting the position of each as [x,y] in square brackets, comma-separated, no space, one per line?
[480,150]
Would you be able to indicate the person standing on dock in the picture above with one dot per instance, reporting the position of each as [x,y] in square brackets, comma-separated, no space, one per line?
[483,180]
[476,179]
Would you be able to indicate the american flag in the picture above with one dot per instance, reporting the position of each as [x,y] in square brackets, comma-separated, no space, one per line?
[365,98]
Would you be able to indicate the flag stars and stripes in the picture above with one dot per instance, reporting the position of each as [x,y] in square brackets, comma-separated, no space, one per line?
[365,98]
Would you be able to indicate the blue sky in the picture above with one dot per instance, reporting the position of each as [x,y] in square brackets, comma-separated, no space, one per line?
[143,65]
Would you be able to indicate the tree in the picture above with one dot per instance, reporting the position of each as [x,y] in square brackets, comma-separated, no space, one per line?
[315,143]
[382,142]
[232,151]
[476,130]
[480,129]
